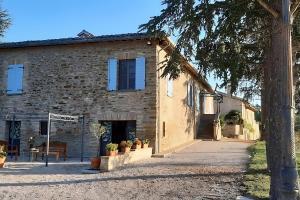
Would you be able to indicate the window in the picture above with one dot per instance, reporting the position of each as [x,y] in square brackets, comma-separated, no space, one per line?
[164,129]
[43,127]
[190,91]
[169,86]
[128,74]
[15,79]
[198,100]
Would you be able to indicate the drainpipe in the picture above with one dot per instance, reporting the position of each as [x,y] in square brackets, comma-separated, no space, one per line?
[157,136]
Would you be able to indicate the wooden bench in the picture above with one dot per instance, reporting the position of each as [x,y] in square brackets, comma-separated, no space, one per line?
[10,149]
[56,148]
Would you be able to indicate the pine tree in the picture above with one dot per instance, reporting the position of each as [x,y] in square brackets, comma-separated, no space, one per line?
[4,21]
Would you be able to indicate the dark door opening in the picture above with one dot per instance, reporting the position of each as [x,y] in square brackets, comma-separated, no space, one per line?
[119,131]
[14,135]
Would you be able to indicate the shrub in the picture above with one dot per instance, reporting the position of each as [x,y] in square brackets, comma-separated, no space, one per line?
[111,147]
[124,144]
[233,117]
[146,141]
[249,127]
[3,154]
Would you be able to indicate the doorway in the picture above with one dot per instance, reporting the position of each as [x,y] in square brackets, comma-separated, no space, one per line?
[13,134]
[117,131]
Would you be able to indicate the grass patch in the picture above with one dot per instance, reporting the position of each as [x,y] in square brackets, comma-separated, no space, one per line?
[257,178]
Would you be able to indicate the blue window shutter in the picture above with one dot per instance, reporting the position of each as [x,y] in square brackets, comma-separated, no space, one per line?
[169,86]
[140,73]
[112,74]
[15,79]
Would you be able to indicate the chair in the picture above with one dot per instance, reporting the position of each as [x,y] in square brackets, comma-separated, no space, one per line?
[10,149]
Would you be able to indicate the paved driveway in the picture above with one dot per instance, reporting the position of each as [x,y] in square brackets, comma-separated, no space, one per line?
[203,170]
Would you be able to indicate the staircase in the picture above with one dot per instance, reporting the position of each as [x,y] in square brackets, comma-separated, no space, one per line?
[205,127]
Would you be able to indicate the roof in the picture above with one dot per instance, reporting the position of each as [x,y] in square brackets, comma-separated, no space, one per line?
[75,40]
[247,104]
[103,38]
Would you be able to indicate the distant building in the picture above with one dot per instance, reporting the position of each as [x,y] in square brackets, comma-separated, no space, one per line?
[248,114]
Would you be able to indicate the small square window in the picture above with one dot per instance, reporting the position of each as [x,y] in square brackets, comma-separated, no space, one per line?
[43,127]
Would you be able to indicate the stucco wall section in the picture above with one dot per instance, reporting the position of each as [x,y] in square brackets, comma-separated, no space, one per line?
[180,119]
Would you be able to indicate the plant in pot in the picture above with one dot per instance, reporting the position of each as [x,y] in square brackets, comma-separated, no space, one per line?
[137,144]
[125,146]
[111,149]
[3,155]
[98,131]
[145,143]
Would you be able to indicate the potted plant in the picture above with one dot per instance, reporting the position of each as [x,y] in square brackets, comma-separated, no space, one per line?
[125,146]
[111,149]
[3,155]
[145,143]
[137,144]
[98,131]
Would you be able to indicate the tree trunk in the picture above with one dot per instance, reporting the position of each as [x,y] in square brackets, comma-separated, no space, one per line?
[278,101]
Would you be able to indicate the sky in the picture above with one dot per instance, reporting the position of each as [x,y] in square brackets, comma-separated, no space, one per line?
[51,19]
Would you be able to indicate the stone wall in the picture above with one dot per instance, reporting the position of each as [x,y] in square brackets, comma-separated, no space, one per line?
[72,79]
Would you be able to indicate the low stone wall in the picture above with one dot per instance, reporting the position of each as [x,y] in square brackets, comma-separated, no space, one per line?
[111,162]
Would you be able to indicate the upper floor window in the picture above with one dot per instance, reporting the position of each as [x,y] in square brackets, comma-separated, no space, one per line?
[127,74]
[15,79]
[190,95]
[169,86]
[198,100]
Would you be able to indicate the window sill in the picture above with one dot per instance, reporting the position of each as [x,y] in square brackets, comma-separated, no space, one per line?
[129,90]
[15,94]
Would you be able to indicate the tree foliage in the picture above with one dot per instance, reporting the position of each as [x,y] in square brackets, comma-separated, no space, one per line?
[4,21]
[229,38]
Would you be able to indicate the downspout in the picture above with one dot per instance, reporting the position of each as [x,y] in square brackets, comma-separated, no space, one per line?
[157,136]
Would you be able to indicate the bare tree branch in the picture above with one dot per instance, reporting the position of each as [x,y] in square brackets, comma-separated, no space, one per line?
[268,8]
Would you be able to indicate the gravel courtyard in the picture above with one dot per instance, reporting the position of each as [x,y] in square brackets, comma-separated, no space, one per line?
[203,170]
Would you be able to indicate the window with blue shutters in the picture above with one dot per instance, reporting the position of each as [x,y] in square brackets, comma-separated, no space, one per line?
[126,74]
[15,79]
[140,75]
[112,74]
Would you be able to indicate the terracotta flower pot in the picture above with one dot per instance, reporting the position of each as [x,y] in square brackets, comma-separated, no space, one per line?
[95,162]
[136,146]
[145,146]
[2,161]
[111,153]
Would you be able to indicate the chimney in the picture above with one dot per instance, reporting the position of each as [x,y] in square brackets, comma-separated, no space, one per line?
[85,34]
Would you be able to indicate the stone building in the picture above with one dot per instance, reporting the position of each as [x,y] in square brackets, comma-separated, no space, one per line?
[114,80]
[230,103]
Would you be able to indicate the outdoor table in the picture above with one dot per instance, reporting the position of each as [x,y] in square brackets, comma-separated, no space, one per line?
[33,153]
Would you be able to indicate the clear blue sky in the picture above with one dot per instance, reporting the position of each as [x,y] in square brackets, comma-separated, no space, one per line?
[50,19]
[45,19]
